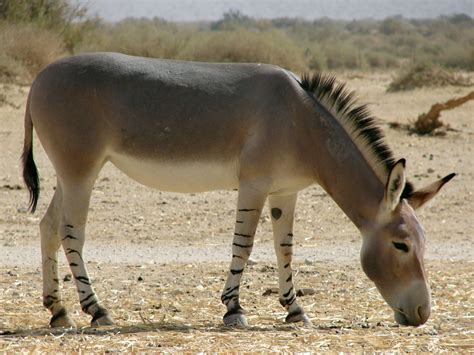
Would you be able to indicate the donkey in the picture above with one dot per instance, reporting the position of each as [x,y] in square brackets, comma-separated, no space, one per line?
[190,127]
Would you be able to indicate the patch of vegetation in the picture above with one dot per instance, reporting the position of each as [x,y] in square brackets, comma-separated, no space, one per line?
[425,75]
[295,44]
[35,32]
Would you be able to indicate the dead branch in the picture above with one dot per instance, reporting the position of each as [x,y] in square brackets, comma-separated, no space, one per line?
[428,122]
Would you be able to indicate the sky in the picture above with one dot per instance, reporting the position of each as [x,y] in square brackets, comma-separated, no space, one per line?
[208,10]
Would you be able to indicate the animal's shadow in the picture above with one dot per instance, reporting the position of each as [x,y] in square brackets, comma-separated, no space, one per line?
[179,328]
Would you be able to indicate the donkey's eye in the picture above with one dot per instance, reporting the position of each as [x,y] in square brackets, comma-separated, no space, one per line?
[401,246]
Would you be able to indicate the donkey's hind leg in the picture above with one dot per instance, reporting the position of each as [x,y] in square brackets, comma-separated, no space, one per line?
[75,205]
[50,242]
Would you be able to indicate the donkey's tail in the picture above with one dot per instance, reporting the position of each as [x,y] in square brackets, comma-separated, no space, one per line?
[30,173]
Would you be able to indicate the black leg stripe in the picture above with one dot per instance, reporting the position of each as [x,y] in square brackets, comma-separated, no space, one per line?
[72,264]
[286,245]
[243,235]
[225,298]
[290,234]
[85,299]
[237,256]
[83,279]
[69,237]
[86,306]
[239,221]
[56,280]
[71,251]
[243,246]
[69,226]
[230,290]
[235,272]
[289,278]
[286,265]
[287,294]
[53,260]
[247,209]
[288,302]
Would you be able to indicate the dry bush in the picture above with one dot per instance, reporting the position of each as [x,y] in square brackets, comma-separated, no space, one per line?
[25,50]
[425,75]
[272,47]
[146,38]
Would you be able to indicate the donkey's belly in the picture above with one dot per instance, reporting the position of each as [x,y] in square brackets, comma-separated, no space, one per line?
[179,176]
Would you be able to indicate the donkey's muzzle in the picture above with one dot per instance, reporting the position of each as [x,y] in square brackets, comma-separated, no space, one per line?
[415,307]
[415,318]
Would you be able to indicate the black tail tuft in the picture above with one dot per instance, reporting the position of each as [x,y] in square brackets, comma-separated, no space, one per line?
[31,178]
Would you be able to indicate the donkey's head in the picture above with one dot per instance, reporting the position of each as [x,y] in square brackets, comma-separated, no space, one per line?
[393,249]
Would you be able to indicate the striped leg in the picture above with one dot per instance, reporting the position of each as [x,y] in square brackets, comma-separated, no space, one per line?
[50,242]
[249,207]
[76,197]
[282,211]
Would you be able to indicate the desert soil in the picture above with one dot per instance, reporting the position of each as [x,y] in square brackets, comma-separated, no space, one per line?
[179,246]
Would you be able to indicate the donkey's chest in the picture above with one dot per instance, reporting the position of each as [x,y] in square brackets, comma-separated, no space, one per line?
[180,176]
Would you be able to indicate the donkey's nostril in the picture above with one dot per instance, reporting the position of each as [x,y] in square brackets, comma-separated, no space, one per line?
[423,313]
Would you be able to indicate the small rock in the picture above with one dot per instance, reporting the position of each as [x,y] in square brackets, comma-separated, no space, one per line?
[430,171]
[308,261]
[140,278]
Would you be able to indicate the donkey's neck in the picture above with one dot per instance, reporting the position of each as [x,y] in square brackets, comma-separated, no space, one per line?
[342,170]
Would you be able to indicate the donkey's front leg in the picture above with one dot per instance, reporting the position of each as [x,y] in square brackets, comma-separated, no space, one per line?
[249,207]
[282,211]
[76,199]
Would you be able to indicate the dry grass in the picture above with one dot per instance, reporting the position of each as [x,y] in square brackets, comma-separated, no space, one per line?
[425,75]
[26,49]
[177,308]
[245,46]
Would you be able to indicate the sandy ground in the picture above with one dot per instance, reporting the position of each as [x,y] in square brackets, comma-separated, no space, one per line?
[133,229]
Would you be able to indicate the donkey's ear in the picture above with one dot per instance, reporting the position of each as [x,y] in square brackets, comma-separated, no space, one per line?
[419,197]
[395,185]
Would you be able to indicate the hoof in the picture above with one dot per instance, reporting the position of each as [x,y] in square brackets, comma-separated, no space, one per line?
[298,317]
[235,318]
[61,319]
[101,318]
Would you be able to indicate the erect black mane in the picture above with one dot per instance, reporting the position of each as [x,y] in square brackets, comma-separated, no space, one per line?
[343,102]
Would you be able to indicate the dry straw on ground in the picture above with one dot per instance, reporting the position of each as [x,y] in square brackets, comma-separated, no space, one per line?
[177,308]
